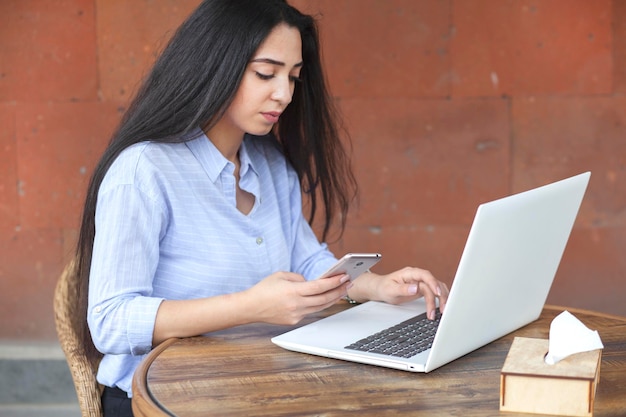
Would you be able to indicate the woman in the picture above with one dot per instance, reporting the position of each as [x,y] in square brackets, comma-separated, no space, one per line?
[193,220]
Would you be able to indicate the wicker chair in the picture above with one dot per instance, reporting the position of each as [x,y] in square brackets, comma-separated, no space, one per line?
[68,323]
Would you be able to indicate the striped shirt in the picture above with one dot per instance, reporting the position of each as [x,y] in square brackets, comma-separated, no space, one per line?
[167,227]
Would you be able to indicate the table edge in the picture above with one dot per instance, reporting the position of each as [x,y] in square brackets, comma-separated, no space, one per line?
[584,311]
[142,397]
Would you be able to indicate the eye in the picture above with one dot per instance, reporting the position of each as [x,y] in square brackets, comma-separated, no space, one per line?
[264,76]
[295,79]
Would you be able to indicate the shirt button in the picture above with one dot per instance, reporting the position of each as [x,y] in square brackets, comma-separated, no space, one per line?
[98,309]
[259,240]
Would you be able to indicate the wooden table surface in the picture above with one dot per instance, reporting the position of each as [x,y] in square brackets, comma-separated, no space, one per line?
[241,372]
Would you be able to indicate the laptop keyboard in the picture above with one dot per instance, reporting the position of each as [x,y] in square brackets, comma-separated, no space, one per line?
[403,340]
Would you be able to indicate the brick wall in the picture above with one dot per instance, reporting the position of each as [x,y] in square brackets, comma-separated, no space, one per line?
[449,103]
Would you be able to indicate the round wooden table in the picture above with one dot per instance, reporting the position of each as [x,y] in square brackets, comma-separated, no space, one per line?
[240,372]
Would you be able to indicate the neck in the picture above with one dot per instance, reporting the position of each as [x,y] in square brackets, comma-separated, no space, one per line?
[227,142]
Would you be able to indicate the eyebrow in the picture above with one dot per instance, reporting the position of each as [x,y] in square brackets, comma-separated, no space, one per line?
[274,62]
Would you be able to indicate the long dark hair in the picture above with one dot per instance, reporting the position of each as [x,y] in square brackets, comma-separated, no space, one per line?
[194,81]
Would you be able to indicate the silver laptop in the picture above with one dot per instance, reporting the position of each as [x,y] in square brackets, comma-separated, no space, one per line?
[506,270]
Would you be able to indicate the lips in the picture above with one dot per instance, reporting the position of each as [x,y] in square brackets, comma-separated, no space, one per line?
[271,116]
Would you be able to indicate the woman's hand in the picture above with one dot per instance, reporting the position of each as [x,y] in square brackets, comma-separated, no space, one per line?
[280,298]
[286,298]
[401,286]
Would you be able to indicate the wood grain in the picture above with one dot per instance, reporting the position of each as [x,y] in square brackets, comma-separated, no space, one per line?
[240,372]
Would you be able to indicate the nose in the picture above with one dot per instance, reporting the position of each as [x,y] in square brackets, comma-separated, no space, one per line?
[283,90]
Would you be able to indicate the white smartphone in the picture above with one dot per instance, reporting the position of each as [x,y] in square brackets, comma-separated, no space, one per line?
[353,264]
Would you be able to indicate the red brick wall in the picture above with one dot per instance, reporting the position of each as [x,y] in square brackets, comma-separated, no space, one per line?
[449,103]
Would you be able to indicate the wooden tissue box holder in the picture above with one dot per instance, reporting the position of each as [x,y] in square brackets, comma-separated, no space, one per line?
[529,385]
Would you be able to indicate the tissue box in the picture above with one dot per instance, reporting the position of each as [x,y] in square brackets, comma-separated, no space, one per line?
[529,385]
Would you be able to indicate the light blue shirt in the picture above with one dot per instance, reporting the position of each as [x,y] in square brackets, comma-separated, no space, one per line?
[167,227]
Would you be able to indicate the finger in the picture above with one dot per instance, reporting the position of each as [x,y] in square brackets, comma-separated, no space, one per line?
[432,283]
[318,302]
[321,286]
[329,301]
[443,298]
[293,277]
[411,289]
[432,288]
[430,299]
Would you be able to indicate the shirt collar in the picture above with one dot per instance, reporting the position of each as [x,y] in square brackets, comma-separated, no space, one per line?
[246,158]
[214,163]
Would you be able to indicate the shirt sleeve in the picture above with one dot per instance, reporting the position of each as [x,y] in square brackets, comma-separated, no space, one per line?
[121,311]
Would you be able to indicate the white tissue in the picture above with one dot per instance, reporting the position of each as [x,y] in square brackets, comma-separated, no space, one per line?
[568,335]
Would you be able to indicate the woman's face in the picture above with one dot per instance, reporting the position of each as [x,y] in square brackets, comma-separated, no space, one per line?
[267,85]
